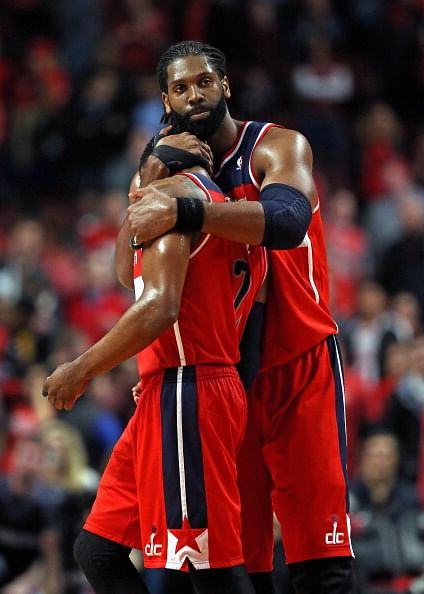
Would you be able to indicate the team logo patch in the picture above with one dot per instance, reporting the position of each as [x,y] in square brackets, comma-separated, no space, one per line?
[187,543]
[334,537]
[153,549]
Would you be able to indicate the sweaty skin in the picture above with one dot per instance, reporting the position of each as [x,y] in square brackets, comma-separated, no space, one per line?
[153,169]
[282,156]
[165,263]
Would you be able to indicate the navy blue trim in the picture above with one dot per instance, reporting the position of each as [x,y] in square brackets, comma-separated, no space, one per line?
[171,479]
[193,458]
[336,364]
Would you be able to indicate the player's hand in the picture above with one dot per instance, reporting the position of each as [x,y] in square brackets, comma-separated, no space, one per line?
[65,385]
[136,392]
[156,213]
[189,142]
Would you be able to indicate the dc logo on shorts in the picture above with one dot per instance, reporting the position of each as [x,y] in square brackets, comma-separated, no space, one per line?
[334,537]
[151,549]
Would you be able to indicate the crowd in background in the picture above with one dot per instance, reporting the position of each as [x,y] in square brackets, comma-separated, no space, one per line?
[78,102]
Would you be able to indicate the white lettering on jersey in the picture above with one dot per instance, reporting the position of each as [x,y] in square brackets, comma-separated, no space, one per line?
[334,537]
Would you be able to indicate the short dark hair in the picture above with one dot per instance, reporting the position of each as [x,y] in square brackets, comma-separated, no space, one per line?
[182,49]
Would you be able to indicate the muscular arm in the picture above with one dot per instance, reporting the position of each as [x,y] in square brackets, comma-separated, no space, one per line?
[283,157]
[153,169]
[164,269]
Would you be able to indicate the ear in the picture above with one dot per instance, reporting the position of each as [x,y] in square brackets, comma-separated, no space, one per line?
[226,87]
[165,101]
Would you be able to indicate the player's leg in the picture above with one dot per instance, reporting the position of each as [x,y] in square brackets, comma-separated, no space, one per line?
[227,580]
[255,485]
[107,566]
[112,528]
[305,451]
[333,576]
[168,581]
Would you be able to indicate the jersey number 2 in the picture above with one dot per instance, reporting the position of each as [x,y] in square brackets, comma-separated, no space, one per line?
[241,268]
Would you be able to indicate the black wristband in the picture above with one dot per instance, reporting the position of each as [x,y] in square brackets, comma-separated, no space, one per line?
[190,214]
[177,159]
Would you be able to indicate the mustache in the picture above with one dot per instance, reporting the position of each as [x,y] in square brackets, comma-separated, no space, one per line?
[197,110]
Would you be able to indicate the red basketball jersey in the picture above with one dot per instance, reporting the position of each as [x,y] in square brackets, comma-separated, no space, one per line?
[222,280]
[298,315]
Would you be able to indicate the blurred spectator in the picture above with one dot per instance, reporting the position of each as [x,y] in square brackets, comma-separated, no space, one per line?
[72,485]
[366,401]
[347,250]
[402,265]
[29,548]
[98,227]
[262,25]
[140,31]
[118,172]
[101,302]
[367,335]
[405,408]
[40,92]
[386,219]
[101,416]
[324,85]
[258,97]
[148,110]
[96,126]
[78,26]
[385,517]
[318,20]
[407,307]
[380,136]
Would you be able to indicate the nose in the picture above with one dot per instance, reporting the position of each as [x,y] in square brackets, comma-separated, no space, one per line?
[195,95]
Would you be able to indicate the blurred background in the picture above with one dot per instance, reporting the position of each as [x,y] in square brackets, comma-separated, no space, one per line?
[78,101]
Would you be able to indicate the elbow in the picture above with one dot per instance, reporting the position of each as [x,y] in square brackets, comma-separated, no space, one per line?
[126,280]
[166,310]
[286,220]
[170,314]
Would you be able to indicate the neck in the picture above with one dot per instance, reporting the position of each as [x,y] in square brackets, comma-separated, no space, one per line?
[225,136]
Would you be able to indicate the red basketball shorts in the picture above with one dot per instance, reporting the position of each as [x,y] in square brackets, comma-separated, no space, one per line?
[170,487]
[293,461]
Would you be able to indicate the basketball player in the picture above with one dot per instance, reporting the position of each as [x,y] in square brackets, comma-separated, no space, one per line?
[294,456]
[171,479]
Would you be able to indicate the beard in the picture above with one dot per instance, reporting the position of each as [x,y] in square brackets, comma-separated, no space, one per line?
[203,129]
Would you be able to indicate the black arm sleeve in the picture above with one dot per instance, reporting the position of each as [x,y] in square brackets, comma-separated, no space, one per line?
[250,345]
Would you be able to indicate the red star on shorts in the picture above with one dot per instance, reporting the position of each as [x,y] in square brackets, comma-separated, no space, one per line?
[186,536]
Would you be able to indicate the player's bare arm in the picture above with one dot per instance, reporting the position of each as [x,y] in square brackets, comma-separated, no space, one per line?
[153,169]
[165,264]
[282,157]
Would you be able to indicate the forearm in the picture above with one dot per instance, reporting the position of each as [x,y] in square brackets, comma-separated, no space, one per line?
[124,256]
[241,221]
[140,325]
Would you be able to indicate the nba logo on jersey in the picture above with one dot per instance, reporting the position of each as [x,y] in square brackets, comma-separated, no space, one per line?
[239,163]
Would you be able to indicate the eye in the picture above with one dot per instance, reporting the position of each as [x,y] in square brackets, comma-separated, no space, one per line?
[205,82]
[178,89]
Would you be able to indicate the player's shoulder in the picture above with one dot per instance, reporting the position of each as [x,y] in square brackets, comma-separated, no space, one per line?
[288,136]
[284,141]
